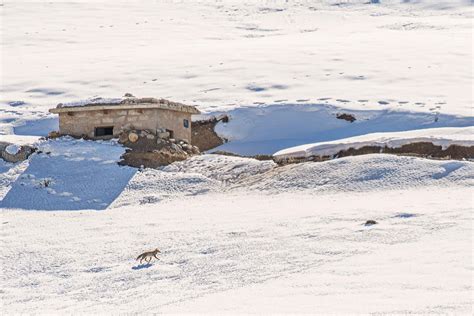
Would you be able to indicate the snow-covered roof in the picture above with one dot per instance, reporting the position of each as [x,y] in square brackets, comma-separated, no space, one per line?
[123,103]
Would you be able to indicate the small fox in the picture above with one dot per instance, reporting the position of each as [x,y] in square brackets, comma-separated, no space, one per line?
[147,256]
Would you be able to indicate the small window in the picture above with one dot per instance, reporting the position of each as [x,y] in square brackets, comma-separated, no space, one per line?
[104,131]
[186,123]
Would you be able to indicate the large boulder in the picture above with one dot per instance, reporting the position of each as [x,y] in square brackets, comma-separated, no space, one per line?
[15,153]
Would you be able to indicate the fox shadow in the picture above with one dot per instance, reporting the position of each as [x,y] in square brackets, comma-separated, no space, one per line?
[142,266]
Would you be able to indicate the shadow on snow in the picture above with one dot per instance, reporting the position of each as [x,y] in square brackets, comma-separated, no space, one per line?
[267,129]
[70,174]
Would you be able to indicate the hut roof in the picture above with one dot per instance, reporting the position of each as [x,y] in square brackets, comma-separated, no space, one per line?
[98,104]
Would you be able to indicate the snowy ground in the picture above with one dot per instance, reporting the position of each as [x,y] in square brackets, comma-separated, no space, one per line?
[239,235]
[247,253]
[384,61]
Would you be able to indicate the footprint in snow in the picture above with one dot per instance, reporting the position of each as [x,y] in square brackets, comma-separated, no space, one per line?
[405,215]
[16,103]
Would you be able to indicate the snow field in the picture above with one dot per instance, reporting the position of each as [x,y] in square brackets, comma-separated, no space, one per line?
[83,261]
[239,235]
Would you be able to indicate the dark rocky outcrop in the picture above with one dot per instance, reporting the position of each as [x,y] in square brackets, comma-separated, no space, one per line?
[346,117]
[204,135]
[370,222]
[417,149]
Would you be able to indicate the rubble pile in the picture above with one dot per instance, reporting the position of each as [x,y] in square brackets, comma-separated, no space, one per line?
[152,149]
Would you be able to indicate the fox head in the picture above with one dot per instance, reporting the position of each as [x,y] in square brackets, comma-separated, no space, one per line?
[157,250]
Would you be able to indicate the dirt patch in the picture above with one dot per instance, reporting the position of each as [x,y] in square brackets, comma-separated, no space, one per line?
[258,157]
[204,135]
[152,159]
[419,149]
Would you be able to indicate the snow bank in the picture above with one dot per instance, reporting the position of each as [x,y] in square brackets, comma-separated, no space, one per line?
[268,129]
[75,174]
[215,174]
[362,173]
[19,140]
[444,137]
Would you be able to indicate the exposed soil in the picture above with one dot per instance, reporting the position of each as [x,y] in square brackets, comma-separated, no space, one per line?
[258,157]
[204,135]
[419,149]
[151,159]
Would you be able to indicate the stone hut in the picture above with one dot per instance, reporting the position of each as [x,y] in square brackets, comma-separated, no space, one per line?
[106,118]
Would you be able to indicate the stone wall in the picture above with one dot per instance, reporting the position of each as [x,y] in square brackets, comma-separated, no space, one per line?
[83,123]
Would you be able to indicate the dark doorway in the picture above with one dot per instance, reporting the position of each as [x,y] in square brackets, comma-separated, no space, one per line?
[104,131]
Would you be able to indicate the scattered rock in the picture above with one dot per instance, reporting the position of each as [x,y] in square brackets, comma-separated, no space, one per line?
[347,117]
[128,95]
[163,133]
[123,138]
[149,151]
[370,222]
[53,135]
[133,137]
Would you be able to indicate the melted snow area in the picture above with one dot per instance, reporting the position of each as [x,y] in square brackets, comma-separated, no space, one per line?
[238,235]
